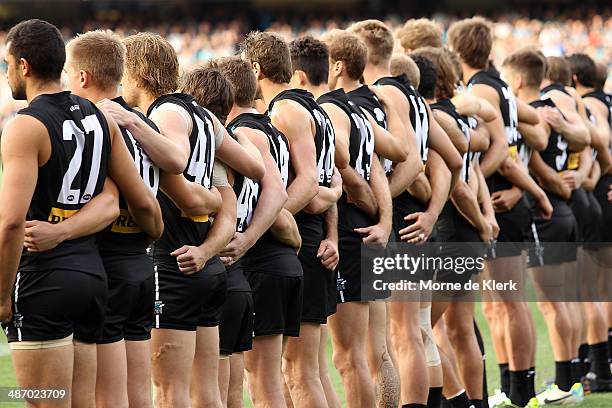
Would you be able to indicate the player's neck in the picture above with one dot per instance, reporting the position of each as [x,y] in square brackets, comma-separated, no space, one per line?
[145,100]
[528,94]
[96,95]
[347,84]
[373,73]
[270,89]
[237,111]
[468,72]
[33,89]
[317,91]
[581,89]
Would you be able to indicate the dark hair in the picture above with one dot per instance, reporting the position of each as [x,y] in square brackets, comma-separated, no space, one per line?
[446,75]
[472,40]
[41,44]
[210,89]
[601,71]
[530,64]
[429,76]
[271,52]
[584,68]
[311,56]
[241,77]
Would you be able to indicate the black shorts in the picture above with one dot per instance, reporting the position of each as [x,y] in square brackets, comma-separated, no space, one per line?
[601,194]
[129,314]
[236,327]
[277,301]
[53,304]
[514,230]
[592,233]
[319,286]
[186,302]
[561,230]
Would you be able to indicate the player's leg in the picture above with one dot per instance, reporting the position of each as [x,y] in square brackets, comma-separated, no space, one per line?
[263,371]
[236,379]
[301,367]
[328,387]
[349,327]
[382,370]
[224,377]
[172,353]
[84,375]
[410,350]
[453,387]
[138,373]
[112,378]
[204,389]
[46,368]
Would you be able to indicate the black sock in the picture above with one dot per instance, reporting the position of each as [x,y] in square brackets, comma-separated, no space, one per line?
[444,403]
[414,406]
[485,392]
[477,403]
[519,387]
[583,355]
[460,401]
[504,377]
[434,397]
[599,364]
[563,375]
[531,383]
[575,370]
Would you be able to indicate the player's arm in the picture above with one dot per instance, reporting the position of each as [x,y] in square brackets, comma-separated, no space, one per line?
[420,188]
[479,138]
[566,120]
[97,214]
[342,128]
[296,126]
[169,150]
[191,259]
[466,202]
[535,136]
[192,198]
[526,113]
[600,132]
[441,143]
[517,175]
[328,249]
[271,200]
[20,145]
[466,104]
[484,200]
[574,178]
[498,149]
[358,191]
[548,177]
[326,196]
[240,154]
[449,125]
[379,233]
[387,144]
[286,231]
[141,202]
[440,181]
[591,181]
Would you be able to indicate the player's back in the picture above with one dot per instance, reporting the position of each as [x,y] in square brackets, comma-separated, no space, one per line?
[73,175]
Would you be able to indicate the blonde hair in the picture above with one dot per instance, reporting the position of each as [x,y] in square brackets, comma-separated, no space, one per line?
[378,37]
[403,64]
[420,33]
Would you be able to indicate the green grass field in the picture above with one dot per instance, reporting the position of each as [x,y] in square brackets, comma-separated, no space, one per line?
[545,366]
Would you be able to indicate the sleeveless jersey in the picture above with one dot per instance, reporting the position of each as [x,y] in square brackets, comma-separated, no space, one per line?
[556,153]
[361,138]
[179,229]
[605,99]
[124,235]
[311,225]
[73,175]
[418,111]
[507,105]
[447,106]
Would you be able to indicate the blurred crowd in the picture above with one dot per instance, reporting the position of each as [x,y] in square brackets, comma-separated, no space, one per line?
[198,41]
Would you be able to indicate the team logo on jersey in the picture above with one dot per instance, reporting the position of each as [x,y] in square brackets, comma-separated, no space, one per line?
[125,224]
[57,215]
[18,320]
[158,307]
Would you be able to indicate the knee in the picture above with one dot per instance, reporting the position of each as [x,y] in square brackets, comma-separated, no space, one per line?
[348,361]
[459,334]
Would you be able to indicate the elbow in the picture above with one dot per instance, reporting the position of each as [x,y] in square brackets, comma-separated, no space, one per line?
[257,171]
[540,144]
[312,187]
[176,165]
[12,226]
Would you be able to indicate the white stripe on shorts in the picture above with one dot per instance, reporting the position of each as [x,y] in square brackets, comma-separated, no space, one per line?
[16,300]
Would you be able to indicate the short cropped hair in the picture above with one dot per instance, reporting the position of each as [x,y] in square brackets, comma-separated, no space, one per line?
[429,76]
[348,48]
[271,52]
[41,44]
[378,38]
[530,64]
[210,89]
[420,33]
[446,75]
[151,61]
[472,40]
[241,77]
[311,56]
[102,54]
[558,70]
[601,75]
[584,68]
[403,64]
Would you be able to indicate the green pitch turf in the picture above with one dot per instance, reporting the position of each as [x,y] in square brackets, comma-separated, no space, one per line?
[545,366]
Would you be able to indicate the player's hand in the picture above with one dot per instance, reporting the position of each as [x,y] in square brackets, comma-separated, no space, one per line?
[572,179]
[494,225]
[6,312]
[328,254]
[553,117]
[42,236]
[505,200]
[419,232]
[377,235]
[237,247]
[120,115]
[486,231]
[545,207]
[190,259]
